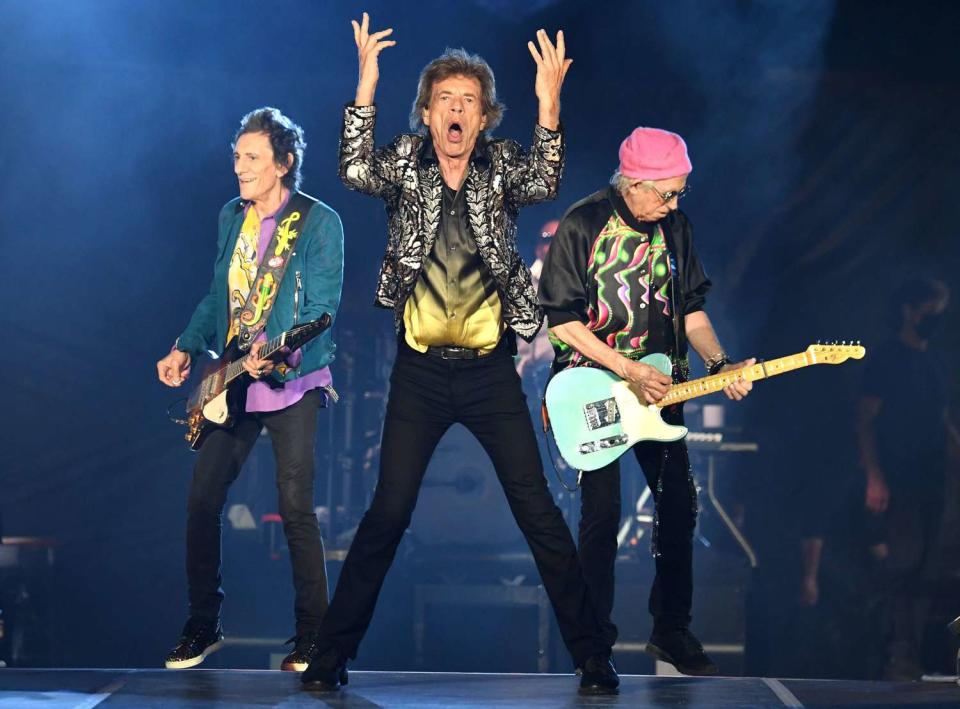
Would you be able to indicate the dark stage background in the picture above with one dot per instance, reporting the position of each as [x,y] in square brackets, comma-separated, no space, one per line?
[826,171]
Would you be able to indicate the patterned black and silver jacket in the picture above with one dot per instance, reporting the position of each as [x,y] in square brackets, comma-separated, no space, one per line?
[495,188]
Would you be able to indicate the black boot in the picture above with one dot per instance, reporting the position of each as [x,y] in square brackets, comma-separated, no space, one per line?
[680,648]
[599,676]
[326,672]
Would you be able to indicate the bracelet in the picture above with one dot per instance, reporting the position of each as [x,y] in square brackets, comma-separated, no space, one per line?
[717,362]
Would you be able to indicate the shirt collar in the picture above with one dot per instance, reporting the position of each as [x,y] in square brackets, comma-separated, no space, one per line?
[246,205]
[480,155]
[620,205]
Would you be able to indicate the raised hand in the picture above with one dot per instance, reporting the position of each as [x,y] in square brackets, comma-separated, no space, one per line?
[552,66]
[369,47]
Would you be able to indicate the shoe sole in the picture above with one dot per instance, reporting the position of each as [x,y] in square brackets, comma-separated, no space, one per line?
[597,691]
[664,656]
[301,666]
[193,661]
[320,686]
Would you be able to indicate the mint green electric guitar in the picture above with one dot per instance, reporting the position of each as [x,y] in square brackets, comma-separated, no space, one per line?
[596,416]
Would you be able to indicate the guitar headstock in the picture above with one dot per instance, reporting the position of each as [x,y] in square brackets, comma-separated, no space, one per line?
[299,335]
[835,352]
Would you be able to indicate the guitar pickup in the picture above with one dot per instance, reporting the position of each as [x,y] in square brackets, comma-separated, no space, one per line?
[601,413]
[609,442]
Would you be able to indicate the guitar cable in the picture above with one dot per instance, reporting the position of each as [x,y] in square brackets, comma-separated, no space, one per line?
[548,434]
[174,419]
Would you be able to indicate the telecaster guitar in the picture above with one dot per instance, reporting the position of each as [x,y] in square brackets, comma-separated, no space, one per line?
[596,417]
[222,393]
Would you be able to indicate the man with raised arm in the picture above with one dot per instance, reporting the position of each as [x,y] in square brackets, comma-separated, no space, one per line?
[460,293]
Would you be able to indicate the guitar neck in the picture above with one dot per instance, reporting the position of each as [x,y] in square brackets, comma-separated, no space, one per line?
[235,368]
[712,384]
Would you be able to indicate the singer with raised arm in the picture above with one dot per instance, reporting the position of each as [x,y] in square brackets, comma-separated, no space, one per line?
[460,295]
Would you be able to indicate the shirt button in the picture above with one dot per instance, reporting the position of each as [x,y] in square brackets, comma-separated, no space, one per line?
[453,213]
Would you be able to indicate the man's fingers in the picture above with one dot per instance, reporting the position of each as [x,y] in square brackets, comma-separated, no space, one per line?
[377,36]
[561,46]
[356,32]
[657,388]
[566,67]
[533,52]
[380,46]
[364,26]
[546,48]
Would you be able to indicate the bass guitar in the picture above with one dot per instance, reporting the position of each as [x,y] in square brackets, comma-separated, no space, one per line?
[222,394]
[596,416]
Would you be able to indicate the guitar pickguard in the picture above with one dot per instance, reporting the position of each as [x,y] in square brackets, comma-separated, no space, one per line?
[217,410]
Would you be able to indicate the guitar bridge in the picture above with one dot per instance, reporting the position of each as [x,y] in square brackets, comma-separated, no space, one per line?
[601,413]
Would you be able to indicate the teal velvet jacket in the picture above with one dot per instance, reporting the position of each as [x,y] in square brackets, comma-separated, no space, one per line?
[310,287]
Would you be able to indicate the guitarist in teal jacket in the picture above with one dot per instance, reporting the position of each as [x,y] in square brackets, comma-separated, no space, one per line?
[279,263]
[622,280]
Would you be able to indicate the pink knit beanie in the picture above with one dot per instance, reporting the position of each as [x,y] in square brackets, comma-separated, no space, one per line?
[653,154]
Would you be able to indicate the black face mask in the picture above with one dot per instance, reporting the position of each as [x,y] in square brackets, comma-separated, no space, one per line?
[930,326]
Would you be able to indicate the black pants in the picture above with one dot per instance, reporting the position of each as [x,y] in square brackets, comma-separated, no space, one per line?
[292,431]
[427,396]
[911,528]
[666,467]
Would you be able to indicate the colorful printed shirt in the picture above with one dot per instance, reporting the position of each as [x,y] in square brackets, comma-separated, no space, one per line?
[612,272]
[255,235]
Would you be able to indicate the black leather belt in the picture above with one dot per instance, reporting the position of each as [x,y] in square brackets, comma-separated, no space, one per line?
[453,352]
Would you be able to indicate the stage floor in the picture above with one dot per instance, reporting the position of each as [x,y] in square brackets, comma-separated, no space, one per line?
[85,689]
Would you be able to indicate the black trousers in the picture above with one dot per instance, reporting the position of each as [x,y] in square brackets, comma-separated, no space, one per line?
[666,467]
[292,432]
[427,396]
[911,528]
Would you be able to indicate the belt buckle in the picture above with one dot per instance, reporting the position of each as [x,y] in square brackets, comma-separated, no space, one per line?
[456,353]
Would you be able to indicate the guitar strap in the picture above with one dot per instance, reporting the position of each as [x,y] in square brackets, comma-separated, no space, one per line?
[674,285]
[273,265]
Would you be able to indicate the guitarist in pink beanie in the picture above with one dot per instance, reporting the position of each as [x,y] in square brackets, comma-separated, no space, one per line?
[623,280]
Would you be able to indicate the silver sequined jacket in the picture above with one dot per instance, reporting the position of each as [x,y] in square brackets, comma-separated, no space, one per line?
[495,189]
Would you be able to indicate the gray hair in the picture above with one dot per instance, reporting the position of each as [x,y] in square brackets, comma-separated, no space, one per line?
[622,183]
[457,62]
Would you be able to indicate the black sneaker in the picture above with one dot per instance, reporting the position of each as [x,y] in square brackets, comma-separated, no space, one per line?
[681,649]
[199,639]
[599,676]
[325,672]
[305,649]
